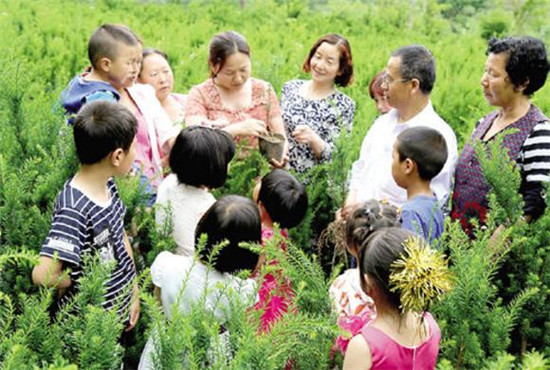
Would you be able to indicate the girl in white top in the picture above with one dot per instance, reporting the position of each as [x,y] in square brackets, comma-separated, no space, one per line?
[182,281]
[199,161]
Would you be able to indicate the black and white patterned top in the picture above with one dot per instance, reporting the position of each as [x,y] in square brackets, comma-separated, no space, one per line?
[324,116]
[81,226]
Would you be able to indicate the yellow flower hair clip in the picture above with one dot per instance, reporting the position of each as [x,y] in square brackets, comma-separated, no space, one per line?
[420,276]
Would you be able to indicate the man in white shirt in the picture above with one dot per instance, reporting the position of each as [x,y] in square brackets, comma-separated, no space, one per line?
[409,79]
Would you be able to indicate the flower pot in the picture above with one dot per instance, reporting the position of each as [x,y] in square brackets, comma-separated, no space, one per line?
[272,146]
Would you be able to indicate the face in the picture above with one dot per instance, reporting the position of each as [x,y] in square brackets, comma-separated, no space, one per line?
[396,88]
[128,158]
[397,167]
[156,72]
[498,90]
[381,103]
[325,63]
[124,69]
[235,72]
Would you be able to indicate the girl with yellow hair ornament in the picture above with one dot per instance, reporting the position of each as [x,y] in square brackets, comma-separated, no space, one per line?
[403,275]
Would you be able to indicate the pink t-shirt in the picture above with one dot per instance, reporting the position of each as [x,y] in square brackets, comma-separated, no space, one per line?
[144,151]
[204,100]
[387,354]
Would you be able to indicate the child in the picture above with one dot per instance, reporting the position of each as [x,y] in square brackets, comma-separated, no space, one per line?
[181,281]
[402,336]
[377,93]
[88,214]
[419,154]
[353,306]
[283,200]
[115,56]
[199,161]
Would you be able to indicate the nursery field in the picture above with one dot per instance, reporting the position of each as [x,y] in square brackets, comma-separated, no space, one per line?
[495,317]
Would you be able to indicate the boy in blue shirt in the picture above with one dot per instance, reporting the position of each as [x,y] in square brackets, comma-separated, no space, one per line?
[88,213]
[115,56]
[419,154]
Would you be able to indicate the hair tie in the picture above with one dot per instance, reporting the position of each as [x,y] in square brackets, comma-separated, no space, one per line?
[420,275]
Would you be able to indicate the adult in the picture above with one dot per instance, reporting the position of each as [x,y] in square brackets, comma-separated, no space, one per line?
[409,79]
[515,69]
[377,93]
[314,112]
[230,99]
[156,71]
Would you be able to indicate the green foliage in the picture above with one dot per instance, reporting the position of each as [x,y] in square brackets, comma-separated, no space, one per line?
[43,44]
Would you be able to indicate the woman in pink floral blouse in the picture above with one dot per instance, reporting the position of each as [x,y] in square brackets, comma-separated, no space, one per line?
[230,99]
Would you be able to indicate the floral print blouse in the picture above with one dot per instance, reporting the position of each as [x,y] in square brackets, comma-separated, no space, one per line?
[205,100]
[324,116]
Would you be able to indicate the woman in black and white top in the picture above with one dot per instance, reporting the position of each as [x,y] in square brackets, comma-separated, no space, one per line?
[314,112]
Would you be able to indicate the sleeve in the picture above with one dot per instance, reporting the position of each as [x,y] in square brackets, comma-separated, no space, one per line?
[274,106]
[66,237]
[100,95]
[195,105]
[159,266]
[534,162]
[359,167]
[349,114]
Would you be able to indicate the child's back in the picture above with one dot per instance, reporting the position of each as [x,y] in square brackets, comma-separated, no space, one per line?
[423,216]
[199,161]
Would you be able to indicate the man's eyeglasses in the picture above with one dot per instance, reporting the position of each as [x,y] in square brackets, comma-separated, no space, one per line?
[388,80]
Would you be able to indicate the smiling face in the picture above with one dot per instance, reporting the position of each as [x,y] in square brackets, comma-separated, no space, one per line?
[381,103]
[156,72]
[234,73]
[325,63]
[498,89]
[123,70]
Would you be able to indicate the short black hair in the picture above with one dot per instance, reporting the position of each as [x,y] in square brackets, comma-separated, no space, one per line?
[527,61]
[200,156]
[101,127]
[424,146]
[417,62]
[284,198]
[105,40]
[236,219]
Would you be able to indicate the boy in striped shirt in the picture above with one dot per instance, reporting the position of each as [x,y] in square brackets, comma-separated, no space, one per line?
[88,213]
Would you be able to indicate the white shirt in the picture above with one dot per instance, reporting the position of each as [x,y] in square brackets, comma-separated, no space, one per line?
[187,204]
[371,176]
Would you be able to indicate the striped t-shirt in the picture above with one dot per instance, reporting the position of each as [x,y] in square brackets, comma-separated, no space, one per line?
[81,226]
[534,163]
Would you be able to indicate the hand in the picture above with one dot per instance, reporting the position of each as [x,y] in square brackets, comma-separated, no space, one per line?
[252,127]
[303,134]
[281,164]
[134,313]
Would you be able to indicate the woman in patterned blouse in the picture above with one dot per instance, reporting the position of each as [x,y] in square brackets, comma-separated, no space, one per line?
[314,112]
[230,99]
[515,69]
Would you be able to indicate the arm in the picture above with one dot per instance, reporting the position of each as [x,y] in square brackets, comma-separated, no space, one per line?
[49,272]
[358,356]
[535,170]
[135,307]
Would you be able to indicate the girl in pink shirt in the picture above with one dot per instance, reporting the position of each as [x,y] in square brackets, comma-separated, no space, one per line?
[402,336]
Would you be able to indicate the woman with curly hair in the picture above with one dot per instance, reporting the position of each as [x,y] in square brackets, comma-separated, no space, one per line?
[515,69]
